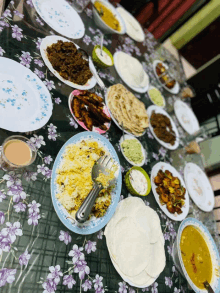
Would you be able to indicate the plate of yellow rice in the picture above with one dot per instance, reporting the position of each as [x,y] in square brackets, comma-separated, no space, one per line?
[71,182]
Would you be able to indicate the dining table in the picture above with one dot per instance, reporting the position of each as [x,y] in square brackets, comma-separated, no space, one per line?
[36,256]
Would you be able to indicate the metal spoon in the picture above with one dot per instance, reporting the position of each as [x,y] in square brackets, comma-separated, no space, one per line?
[94,72]
[101,42]
[208,287]
[103,165]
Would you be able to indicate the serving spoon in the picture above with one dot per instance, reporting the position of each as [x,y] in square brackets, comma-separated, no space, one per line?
[103,165]
[94,72]
[208,287]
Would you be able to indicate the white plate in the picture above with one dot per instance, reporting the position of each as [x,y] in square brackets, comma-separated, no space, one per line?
[185,209]
[161,111]
[186,117]
[48,41]
[61,17]
[136,89]
[128,136]
[25,102]
[134,20]
[199,187]
[153,87]
[116,122]
[176,87]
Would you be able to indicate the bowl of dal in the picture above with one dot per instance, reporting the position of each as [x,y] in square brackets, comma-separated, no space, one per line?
[196,256]
[108,18]
[156,97]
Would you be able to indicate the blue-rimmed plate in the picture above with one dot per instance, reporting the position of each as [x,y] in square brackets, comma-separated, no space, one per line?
[177,257]
[93,225]
[61,17]
[25,102]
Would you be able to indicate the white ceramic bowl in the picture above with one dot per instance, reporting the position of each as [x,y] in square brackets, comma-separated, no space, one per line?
[100,23]
[177,257]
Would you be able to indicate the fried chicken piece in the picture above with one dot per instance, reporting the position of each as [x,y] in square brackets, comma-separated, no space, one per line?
[95,97]
[101,116]
[87,119]
[76,106]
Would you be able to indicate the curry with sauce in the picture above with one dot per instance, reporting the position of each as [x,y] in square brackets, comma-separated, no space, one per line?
[196,256]
[107,16]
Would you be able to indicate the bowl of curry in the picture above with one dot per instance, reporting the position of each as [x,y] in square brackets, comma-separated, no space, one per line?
[196,256]
[107,17]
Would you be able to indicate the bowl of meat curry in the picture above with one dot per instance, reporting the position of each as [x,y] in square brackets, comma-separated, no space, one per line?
[196,255]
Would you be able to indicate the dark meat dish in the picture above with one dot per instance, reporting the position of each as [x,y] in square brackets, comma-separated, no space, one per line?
[171,192]
[88,108]
[162,128]
[66,60]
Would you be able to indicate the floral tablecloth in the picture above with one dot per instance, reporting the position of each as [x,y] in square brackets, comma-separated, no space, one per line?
[38,253]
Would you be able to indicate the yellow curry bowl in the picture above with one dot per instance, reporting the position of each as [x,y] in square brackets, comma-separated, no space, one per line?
[108,28]
[129,185]
[196,255]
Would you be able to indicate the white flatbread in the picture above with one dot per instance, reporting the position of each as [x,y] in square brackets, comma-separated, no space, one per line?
[141,280]
[125,208]
[133,247]
[132,70]
[156,266]
[154,224]
[135,242]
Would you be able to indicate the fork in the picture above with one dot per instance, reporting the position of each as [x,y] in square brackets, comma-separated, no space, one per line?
[103,165]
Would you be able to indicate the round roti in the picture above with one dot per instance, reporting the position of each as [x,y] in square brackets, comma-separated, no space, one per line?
[133,247]
[156,266]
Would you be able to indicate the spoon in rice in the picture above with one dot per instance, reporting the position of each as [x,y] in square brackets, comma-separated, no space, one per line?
[103,165]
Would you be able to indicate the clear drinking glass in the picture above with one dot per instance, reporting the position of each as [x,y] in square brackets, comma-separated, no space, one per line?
[79,5]
[6,165]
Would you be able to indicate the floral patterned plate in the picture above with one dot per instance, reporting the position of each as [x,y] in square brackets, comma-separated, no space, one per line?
[93,225]
[161,111]
[185,209]
[61,17]
[48,41]
[25,102]
[199,187]
[95,129]
[176,88]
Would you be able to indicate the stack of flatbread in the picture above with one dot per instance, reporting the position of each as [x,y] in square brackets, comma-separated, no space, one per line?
[131,70]
[135,242]
[129,112]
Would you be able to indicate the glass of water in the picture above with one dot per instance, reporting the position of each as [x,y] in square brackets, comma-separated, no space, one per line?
[79,5]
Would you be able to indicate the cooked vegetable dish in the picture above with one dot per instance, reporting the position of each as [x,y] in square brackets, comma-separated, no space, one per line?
[162,127]
[196,256]
[170,190]
[107,16]
[66,60]
[88,108]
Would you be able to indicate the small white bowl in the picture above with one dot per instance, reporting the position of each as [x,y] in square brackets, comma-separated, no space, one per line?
[100,23]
